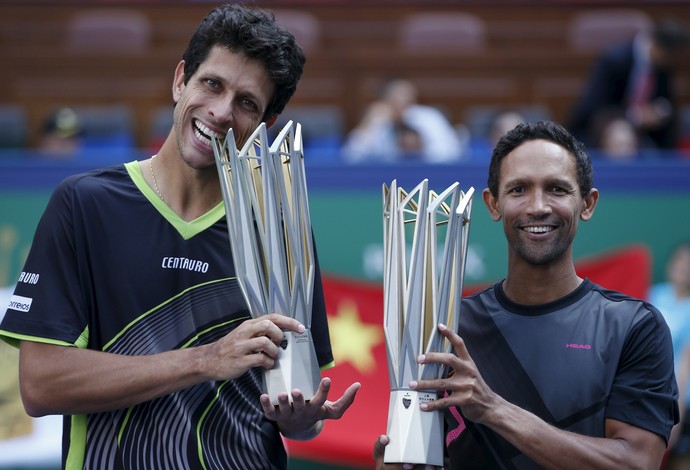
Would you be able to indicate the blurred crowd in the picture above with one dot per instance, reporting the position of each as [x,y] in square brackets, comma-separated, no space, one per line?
[627,111]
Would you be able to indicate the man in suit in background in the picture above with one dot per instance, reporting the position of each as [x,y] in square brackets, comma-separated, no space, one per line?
[635,78]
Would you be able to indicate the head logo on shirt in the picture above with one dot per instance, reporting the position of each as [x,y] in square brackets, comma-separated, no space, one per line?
[578,346]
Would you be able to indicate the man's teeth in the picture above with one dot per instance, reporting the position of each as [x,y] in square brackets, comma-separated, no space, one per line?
[203,133]
[540,229]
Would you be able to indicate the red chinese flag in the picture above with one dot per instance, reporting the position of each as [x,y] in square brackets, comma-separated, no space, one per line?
[355,315]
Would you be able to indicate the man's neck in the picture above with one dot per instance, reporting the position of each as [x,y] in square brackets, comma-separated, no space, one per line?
[538,286]
[189,192]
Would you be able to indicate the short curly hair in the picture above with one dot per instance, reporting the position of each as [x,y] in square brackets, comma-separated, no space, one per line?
[542,130]
[254,33]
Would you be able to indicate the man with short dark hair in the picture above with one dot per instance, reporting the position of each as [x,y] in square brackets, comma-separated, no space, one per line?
[550,370]
[128,315]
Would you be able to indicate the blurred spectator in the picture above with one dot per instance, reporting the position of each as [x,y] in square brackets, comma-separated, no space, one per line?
[614,137]
[409,140]
[482,141]
[672,298]
[637,78]
[61,135]
[396,127]
[503,122]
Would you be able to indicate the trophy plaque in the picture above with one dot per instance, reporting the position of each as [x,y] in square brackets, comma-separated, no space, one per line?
[269,226]
[422,288]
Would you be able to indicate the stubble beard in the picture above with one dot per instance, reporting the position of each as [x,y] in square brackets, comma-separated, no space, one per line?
[542,253]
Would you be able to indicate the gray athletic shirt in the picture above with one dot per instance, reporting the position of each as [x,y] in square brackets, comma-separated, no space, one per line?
[592,355]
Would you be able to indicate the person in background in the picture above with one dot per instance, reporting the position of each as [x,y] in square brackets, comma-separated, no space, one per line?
[550,370]
[672,297]
[128,315]
[503,122]
[61,134]
[409,140]
[482,142]
[395,122]
[637,78]
[615,137]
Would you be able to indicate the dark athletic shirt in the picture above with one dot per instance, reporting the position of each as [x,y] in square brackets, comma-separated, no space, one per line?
[113,269]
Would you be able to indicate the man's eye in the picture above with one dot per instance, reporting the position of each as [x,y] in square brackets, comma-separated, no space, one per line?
[212,83]
[249,104]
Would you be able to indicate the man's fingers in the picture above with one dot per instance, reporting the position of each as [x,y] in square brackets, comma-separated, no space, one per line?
[298,401]
[349,396]
[380,447]
[455,340]
[284,404]
[321,394]
[272,326]
[264,345]
[285,323]
[269,409]
[340,406]
[266,327]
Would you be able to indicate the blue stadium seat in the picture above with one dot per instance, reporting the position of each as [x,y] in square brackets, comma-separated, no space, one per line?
[323,129]
[13,127]
[106,126]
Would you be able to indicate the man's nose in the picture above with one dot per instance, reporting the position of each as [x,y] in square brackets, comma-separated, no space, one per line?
[222,108]
[539,203]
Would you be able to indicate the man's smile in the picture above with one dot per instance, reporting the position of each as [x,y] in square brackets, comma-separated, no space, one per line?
[538,228]
[203,133]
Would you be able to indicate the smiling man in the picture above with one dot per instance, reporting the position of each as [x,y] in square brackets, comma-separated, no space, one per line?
[128,315]
[551,370]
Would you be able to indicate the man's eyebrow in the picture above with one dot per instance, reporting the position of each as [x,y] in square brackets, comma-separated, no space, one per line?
[555,181]
[515,182]
[211,76]
[562,182]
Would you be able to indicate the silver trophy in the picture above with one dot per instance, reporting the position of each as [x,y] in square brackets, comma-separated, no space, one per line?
[265,194]
[421,290]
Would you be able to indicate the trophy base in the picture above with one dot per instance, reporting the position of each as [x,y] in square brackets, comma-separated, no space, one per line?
[415,436]
[296,367]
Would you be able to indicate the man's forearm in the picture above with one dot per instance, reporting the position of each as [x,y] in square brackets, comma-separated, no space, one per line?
[66,380]
[624,447]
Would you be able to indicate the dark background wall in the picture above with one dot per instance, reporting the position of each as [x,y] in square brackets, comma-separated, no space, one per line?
[508,53]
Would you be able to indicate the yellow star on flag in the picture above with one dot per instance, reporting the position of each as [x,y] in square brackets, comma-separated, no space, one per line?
[352,340]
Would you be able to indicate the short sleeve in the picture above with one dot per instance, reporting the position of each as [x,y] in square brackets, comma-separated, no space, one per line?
[48,301]
[644,391]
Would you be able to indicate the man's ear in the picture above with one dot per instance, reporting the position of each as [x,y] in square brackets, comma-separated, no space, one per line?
[272,120]
[492,204]
[178,82]
[589,204]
